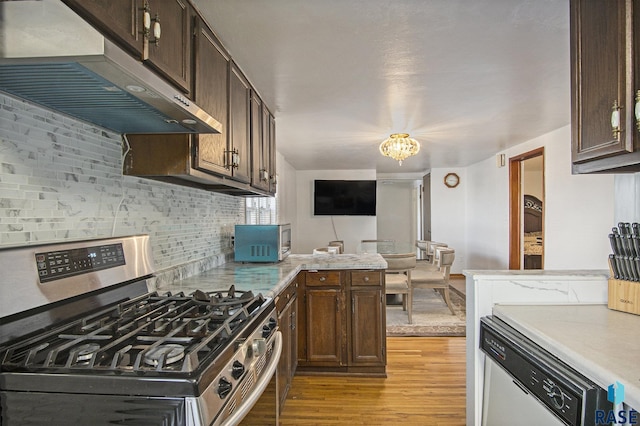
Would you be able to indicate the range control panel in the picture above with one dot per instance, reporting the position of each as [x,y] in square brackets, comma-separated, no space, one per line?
[54,265]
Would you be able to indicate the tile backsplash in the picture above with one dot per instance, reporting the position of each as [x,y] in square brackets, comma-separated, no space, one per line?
[61,180]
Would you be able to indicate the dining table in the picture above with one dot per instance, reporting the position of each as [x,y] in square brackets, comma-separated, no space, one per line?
[383,247]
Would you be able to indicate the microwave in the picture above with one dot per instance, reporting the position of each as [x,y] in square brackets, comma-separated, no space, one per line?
[262,243]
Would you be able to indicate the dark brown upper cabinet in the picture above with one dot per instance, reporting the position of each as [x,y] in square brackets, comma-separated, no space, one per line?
[212,65]
[240,125]
[604,67]
[263,127]
[123,21]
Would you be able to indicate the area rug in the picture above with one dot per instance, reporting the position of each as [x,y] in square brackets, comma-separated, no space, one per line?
[431,316]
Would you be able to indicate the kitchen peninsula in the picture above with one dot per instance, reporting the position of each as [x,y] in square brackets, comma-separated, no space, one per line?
[331,309]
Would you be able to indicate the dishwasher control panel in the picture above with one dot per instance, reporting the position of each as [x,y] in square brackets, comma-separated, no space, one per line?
[570,396]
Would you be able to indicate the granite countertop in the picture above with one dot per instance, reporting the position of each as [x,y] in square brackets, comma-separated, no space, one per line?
[270,278]
[600,343]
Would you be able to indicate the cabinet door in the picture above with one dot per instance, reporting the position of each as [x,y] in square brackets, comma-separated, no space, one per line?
[367,327]
[284,364]
[211,94]
[324,327]
[259,161]
[240,116]
[272,154]
[171,53]
[600,79]
[119,20]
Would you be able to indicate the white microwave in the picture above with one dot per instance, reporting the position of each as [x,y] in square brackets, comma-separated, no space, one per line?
[262,243]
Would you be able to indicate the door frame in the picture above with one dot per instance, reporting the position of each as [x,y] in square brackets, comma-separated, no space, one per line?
[515,205]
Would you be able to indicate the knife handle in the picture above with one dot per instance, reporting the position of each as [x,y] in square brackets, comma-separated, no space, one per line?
[622,267]
[614,266]
[635,242]
[619,249]
[622,228]
[636,229]
[632,268]
[612,241]
[627,245]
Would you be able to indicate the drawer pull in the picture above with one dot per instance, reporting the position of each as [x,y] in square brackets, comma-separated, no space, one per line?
[366,279]
[322,279]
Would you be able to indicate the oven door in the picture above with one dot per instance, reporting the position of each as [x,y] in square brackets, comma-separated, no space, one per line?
[261,403]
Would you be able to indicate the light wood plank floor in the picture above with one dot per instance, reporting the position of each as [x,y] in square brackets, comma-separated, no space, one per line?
[425,385]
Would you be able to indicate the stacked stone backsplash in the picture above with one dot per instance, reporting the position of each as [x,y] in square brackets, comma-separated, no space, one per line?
[61,180]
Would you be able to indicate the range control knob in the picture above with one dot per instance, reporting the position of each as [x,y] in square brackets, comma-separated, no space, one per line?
[266,331]
[237,370]
[224,387]
[272,323]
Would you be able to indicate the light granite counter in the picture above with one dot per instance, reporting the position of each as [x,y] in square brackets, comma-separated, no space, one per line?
[600,343]
[486,288]
[269,278]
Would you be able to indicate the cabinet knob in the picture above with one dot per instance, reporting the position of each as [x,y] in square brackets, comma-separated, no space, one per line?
[615,120]
[323,279]
[366,279]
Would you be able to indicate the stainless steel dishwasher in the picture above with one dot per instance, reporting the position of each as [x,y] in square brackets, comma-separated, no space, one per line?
[526,385]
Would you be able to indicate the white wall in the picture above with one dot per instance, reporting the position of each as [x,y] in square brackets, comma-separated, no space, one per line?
[627,198]
[316,231]
[448,213]
[579,210]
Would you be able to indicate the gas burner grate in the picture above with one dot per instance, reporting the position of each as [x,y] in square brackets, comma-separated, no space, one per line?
[152,333]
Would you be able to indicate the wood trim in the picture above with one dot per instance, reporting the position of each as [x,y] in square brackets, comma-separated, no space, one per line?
[515,180]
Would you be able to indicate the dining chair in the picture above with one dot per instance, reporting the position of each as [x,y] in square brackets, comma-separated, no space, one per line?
[438,279]
[398,278]
[339,244]
[422,245]
[431,250]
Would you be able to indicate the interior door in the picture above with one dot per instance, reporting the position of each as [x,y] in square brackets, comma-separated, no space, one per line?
[529,168]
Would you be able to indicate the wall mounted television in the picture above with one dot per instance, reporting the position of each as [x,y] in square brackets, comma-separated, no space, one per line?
[344,198]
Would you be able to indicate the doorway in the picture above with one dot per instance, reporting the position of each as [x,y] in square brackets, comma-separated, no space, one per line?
[526,210]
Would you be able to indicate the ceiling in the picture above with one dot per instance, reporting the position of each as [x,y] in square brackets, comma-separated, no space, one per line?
[466,78]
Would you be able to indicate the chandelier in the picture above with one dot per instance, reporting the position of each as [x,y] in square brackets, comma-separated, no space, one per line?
[399,146]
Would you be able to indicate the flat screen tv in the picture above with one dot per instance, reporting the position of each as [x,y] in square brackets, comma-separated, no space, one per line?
[344,198]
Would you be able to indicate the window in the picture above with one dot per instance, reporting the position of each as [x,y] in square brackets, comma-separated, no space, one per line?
[260,210]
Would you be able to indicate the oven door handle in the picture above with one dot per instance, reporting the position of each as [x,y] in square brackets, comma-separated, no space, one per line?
[261,385]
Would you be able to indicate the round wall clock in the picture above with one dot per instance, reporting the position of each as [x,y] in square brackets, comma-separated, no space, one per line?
[451,180]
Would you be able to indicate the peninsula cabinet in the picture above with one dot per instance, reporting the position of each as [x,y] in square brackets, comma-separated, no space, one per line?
[123,22]
[342,326]
[605,85]
[287,308]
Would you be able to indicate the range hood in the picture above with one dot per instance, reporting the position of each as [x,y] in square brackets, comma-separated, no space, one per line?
[52,57]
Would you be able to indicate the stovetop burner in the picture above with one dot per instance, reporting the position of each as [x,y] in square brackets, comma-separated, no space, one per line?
[153,333]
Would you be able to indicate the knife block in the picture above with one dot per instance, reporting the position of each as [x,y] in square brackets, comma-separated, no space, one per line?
[624,296]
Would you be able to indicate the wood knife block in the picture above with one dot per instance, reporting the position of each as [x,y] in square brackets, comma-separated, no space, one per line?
[624,296]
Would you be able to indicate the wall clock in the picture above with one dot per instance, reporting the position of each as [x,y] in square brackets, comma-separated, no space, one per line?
[451,180]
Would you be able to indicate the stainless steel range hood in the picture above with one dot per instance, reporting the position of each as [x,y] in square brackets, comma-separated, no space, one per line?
[52,57]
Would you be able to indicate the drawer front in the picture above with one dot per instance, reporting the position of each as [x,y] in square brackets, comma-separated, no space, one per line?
[366,278]
[323,278]
[286,295]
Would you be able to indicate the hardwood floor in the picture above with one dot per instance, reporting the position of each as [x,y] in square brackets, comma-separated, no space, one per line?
[425,385]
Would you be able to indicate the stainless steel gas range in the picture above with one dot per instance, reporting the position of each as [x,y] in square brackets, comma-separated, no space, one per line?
[82,339]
